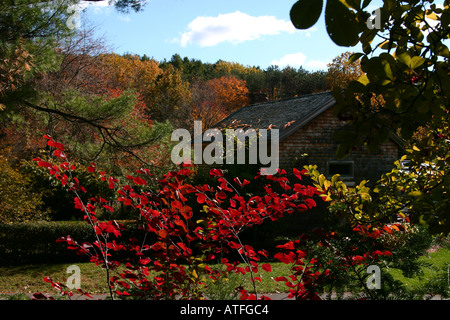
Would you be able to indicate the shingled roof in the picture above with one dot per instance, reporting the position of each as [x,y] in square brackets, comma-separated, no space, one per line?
[287,115]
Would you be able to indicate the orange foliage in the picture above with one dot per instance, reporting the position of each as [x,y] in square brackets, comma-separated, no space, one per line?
[213,100]
[131,72]
[230,92]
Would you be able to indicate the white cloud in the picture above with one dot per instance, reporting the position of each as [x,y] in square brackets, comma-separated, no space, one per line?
[299,59]
[291,59]
[99,8]
[233,27]
[84,4]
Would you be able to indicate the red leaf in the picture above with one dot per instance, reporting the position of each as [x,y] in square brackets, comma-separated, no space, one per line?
[285,258]
[289,246]
[139,180]
[281,279]
[176,205]
[56,145]
[234,245]
[59,153]
[264,253]
[145,261]
[310,203]
[216,172]
[297,173]
[162,233]
[221,195]
[91,168]
[44,164]
[78,204]
[109,208]
[267,267]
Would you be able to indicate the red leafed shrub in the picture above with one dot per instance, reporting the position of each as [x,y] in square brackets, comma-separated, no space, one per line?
[184,240]
[175,259]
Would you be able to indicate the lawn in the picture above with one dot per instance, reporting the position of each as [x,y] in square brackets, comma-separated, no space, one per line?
[29,278]
[432,265]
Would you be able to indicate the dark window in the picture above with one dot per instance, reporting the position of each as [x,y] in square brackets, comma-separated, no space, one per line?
[343,168]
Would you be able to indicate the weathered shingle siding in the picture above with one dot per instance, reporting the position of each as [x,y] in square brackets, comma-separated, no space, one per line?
[316,139]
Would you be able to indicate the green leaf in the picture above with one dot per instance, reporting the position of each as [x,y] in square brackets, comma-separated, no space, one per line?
[357,86]
[364,80]
[341,23]
[416,62]
[445,17]
[355,56]
[387,70]
[442,50]
[305,13]
[405,58]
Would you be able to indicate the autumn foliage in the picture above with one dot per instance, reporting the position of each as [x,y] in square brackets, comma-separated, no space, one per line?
[190,226]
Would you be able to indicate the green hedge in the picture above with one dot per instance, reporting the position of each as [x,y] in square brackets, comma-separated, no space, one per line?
[35,242]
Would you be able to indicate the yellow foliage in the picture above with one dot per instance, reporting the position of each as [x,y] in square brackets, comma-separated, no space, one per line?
[18,202]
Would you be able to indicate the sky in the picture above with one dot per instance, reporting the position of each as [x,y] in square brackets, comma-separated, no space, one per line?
[249,32]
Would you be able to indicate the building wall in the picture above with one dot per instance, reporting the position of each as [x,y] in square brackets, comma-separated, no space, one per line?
[316,139]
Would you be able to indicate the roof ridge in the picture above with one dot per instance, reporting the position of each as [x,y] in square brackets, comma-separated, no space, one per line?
[318,101]
[288,99]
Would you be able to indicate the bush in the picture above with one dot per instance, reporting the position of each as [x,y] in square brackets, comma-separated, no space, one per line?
[19,201]
[55,197]
[22,243]
[36,242]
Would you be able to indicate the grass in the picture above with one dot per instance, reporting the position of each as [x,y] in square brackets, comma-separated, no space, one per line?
[29,278]
[432,265]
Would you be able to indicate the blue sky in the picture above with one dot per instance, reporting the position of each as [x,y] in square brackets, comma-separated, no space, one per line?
[250,32]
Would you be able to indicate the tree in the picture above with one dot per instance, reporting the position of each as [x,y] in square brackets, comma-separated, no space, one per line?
[171,98]
[131,72]
[273,81]
[289,82]
[28,35]
[341,72]
[214,99]
[93,101]
[230,92]
[409,68]
[204,105]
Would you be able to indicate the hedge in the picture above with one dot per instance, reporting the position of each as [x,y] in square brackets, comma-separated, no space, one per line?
[35,242]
